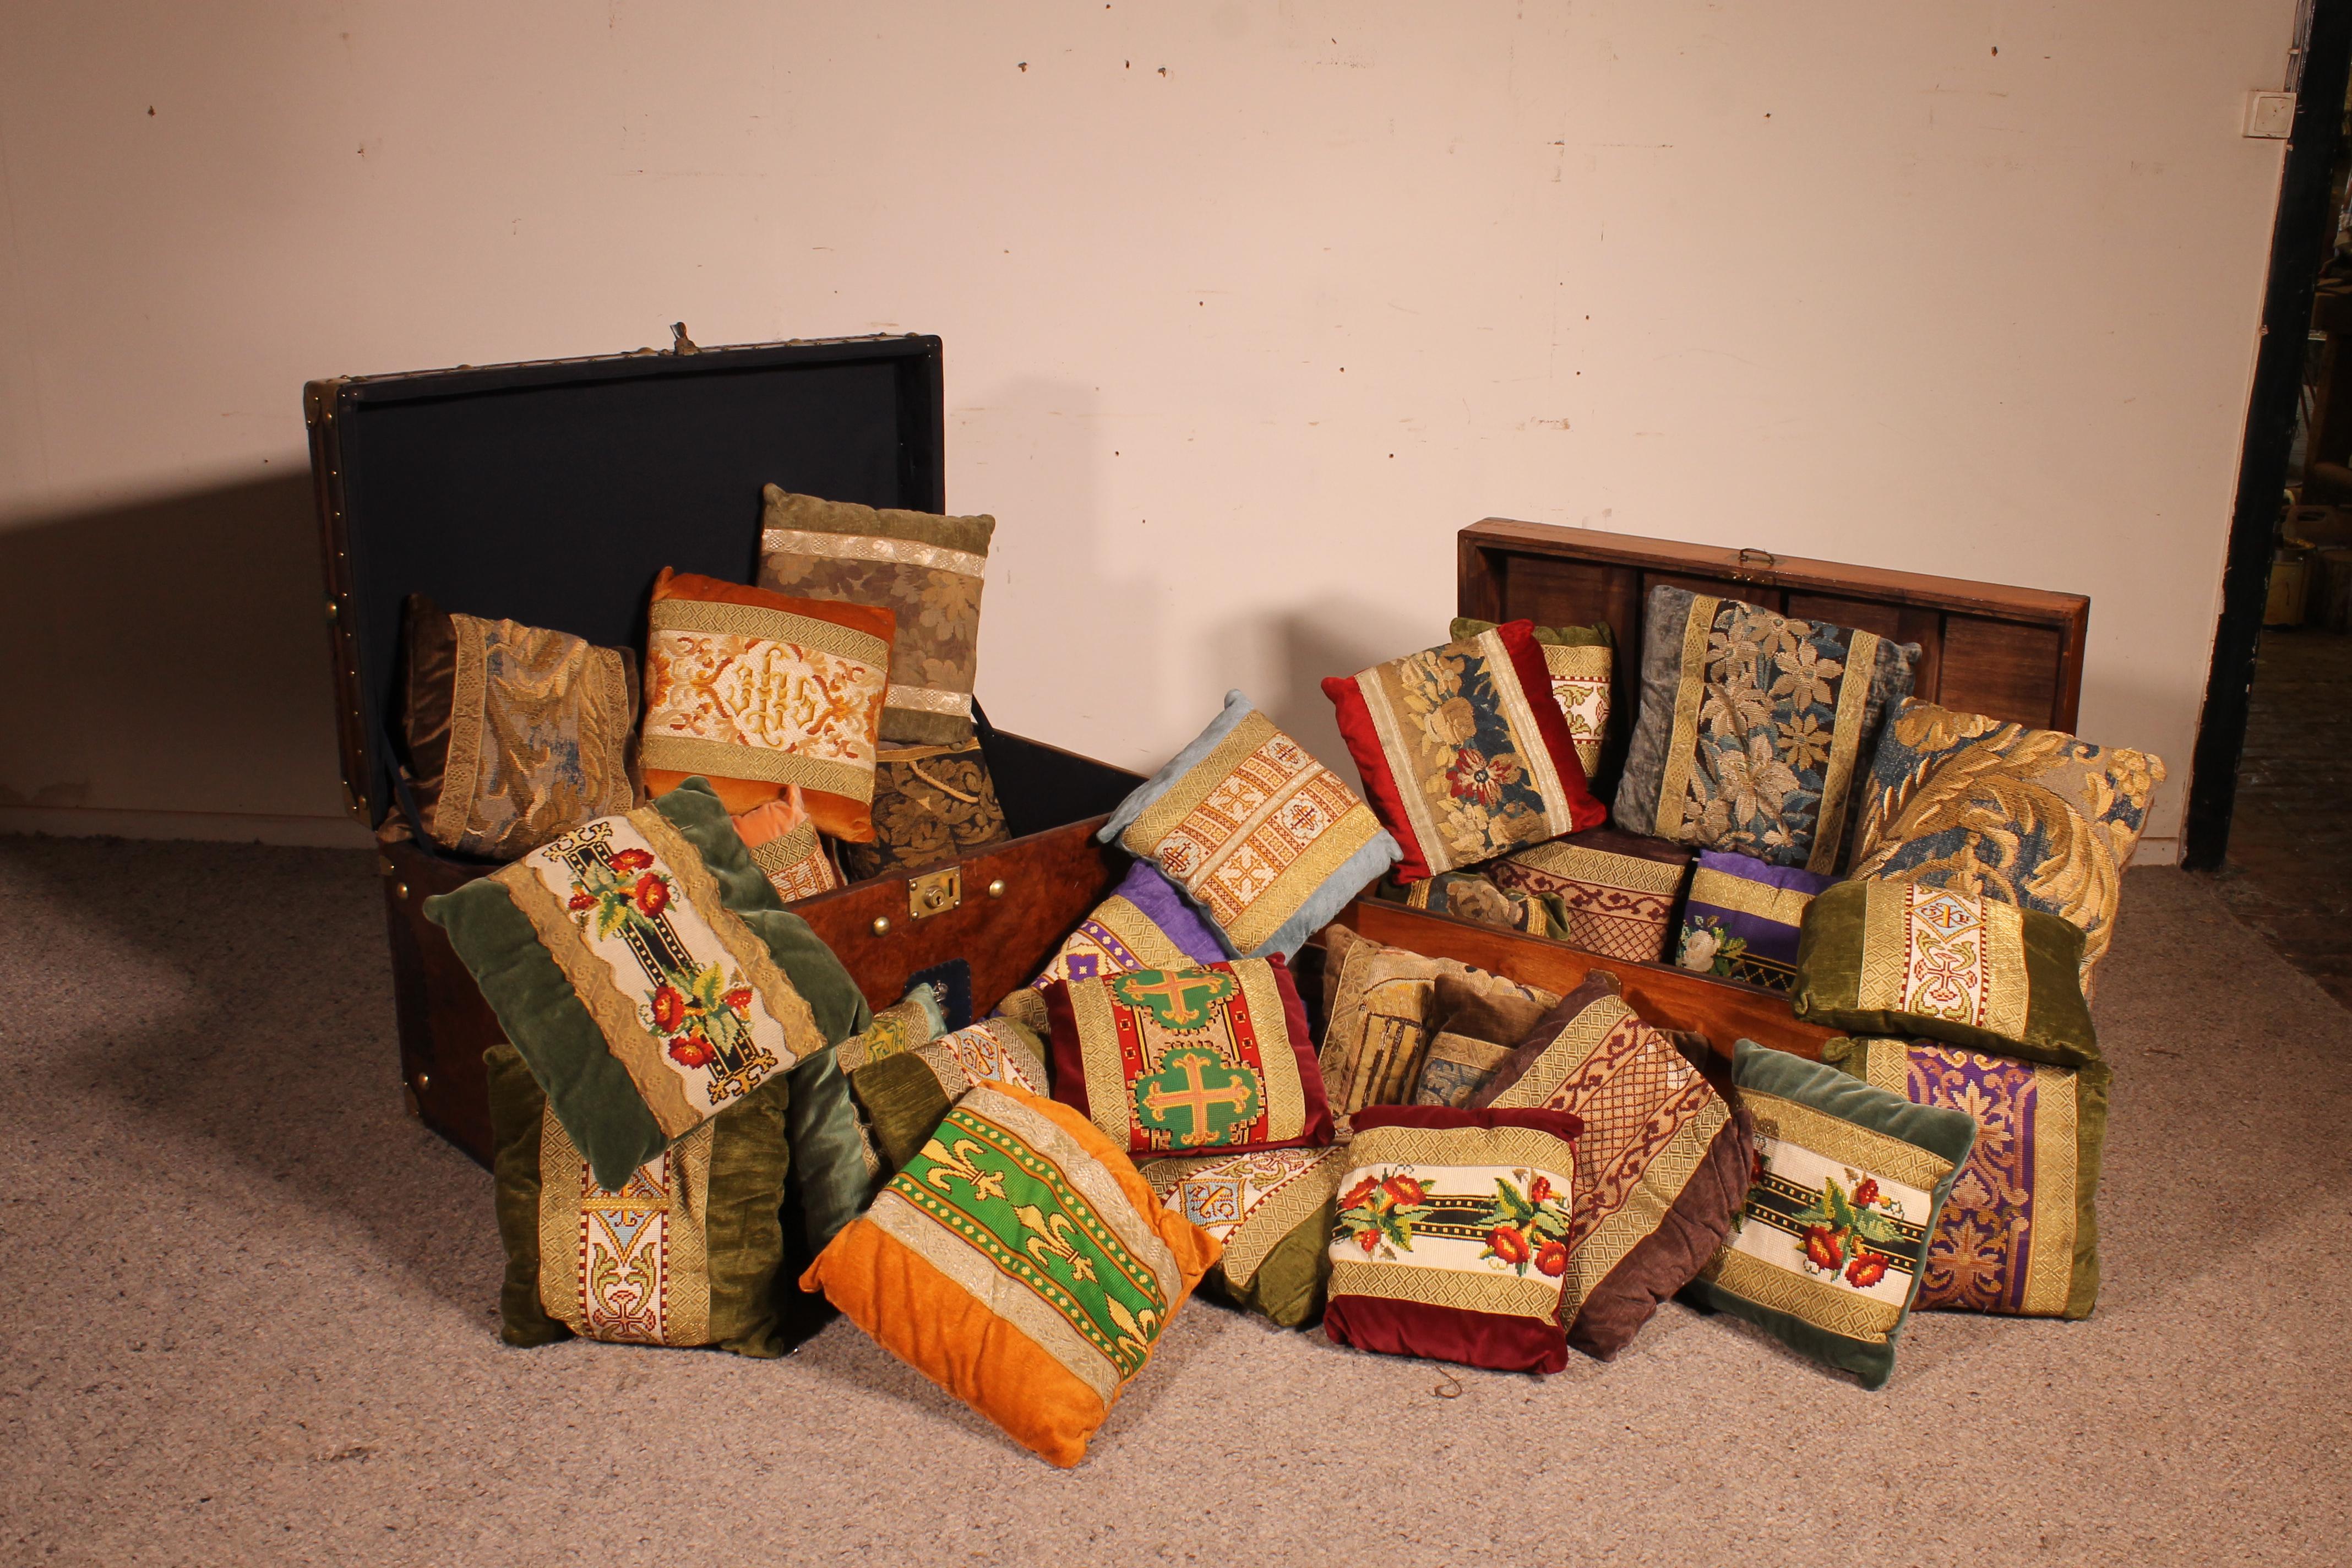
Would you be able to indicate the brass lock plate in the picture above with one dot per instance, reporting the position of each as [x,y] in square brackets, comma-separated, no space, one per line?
[934,892]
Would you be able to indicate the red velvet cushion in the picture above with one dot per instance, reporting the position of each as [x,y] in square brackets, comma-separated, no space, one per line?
[1451,1235]
[1178,1061]
[1464,752]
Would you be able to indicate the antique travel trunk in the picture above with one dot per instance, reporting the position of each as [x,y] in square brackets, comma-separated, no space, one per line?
[552,493]
[2014,653]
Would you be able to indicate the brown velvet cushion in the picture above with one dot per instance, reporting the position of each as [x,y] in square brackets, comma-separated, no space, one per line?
[932,806]
[1662,1168]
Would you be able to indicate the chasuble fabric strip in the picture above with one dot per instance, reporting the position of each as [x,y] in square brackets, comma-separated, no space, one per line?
[1273,1213]
[1020,1263]
[1146,924]
[1608,891]
[904,1095]
[1743,918]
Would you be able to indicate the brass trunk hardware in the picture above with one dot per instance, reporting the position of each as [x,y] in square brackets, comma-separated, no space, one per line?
[934,892]
[996,888]
[881,925]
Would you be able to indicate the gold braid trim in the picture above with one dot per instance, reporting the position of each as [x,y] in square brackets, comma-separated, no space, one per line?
[1825,1307]
[1503,1294]
[785,1004]
[1722,891]
[1474,1146]
[1286,1096]
[1845,745]
[2007,988]
[469,690]
[1847,1143]
[1278,1214]
[1568,1049]
[1683,744]
[615,1017]
[2057,1148]
[1885,956]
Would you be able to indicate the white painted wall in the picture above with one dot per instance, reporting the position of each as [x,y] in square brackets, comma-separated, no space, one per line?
[1247,307]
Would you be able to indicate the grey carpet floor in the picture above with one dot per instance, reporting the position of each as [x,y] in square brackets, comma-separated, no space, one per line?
[249,1317]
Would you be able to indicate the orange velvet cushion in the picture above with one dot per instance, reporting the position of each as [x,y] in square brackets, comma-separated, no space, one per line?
[1020,1262]
[757,692]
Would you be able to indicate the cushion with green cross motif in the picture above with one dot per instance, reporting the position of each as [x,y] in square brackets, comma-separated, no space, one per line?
[1173,1061]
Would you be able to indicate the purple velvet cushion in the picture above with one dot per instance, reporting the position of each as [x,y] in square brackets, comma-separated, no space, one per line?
[1145,924]
[1743,916]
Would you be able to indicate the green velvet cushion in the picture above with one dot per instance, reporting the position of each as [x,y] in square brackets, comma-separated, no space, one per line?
[1465,627]
[591,1093]
[737,1268]
[1902,959]
[905,1095]
[1849,1181]
[1273,1213]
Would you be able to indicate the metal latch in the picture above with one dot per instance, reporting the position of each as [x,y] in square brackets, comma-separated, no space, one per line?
[934,892]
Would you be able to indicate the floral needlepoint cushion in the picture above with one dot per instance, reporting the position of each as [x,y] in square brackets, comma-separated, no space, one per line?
[1472,896]
[1464,751]
[1580,659]
[1273,1213]
[923,568]
[2030,817]
[1379,1010]
[688,1250]
[1146,924]
[1452,1235]
[514,733]
[757,692]
[1607,892]
[786,846]
[1742,918]
[905,1095]
[1021,1264]
[1262,838]
[1754,727]
[642,967]
[1171,1061]
[932,805]
[1901,959]
[1660,1171]
[1845,1189]
[2019,1232]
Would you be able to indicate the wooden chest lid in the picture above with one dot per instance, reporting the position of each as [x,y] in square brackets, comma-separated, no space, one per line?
[553,493]
[2014,653]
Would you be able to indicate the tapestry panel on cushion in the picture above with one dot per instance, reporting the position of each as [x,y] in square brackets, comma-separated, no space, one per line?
[1608,891]
[1580,659]
[1378,1005]
[1272,1212]
[1743,916]
[932,805]
[786,846]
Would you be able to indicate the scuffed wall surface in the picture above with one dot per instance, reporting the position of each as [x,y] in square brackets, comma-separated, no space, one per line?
[1247,309]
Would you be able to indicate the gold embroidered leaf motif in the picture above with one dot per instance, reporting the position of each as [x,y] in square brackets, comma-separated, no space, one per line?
[951,1163]
[1051,1240]
[1137,1330]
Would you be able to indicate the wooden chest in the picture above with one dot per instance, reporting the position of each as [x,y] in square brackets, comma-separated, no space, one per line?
[552,493]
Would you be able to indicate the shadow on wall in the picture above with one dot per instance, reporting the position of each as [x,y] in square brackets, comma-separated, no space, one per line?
[169,656]
[1280,659]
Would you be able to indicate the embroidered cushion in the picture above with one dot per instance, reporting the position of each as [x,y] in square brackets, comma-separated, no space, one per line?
[786,848]
[905,1095]
[1580,659]
[1172,1061]
[2030,817]
[758,693]
[1845,1185]
[1451,1241]
[1900,959]
[1273,1213]
[1742,918]
[1753,727]
[1607,892]
[2019,1233]
[1474,1030]
[1260,837]
[1464,752]
[1146,924]
[514,733]
[1020,1263]
[932,805]
[688,1251]
[914,1019]
[1378,1008]
[1472,896]
[1661,1167]
[641,966]
[923,568]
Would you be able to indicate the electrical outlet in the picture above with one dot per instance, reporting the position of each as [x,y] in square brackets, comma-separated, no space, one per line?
[2270,115]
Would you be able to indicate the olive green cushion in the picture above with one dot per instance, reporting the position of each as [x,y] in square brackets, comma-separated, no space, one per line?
[1273,1213]
[905,1096]
[2023,997]
[743,1232]
[590,1090]
[1866,1169]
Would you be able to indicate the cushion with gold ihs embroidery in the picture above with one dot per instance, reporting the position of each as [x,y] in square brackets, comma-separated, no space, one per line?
[1021,1264]
[1176,1062]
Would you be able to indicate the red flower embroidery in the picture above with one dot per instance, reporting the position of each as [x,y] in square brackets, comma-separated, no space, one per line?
[1539,1189]
[652,893]
[1867,1193]
[1369,1240]
[582,901]
[739,998]
[629,860]
[1509,1245]
[1474,777]
[691,1051]
[669,1007]
[1822,1247]
[1552,1260]
[1359,1193]
[1866,1269]
[1405,1189]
